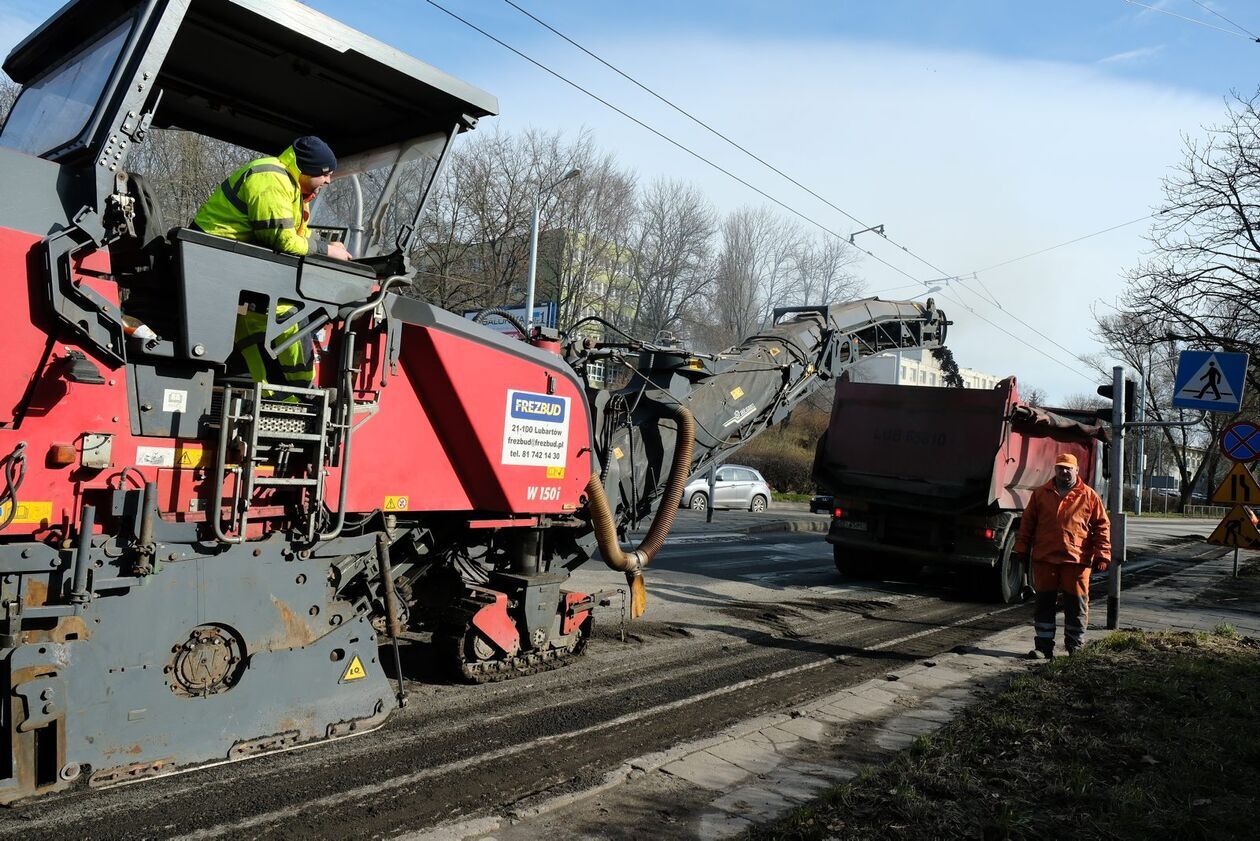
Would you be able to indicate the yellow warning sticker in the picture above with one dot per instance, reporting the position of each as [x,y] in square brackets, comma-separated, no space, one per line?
[695,363]
[774,351]
[28,513]
[555,472]
[617,453]
[737,393]
[191,457]
[354,671]
[395,503]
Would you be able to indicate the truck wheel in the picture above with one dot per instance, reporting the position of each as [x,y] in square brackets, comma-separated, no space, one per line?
[1008,575]
[698,502]
[759,504]
[853,564]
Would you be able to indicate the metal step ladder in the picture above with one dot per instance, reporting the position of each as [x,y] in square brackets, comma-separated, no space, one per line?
[278,437]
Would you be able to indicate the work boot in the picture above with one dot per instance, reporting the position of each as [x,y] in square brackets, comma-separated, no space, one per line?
[1038,654]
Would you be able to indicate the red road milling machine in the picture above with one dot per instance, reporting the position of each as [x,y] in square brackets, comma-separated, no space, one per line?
[196,568]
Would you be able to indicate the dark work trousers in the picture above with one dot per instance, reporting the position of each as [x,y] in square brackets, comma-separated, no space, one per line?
[1073,581]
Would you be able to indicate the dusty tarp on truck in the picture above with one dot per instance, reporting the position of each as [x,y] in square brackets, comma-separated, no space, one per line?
[945,449]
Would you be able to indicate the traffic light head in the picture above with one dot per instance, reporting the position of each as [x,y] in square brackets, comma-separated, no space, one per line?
[1130,394]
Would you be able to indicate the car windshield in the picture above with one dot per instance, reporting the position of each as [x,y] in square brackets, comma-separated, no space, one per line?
[54,110]
[374,196]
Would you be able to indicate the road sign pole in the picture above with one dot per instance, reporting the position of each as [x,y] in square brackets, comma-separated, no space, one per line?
[1235,561]
[708,514]
[1115,497]
[1140,456]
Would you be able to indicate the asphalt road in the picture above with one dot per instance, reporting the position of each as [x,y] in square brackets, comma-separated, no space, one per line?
[737,625]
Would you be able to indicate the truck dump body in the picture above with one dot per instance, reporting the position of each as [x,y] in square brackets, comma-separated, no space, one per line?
[944,449]
[939,475]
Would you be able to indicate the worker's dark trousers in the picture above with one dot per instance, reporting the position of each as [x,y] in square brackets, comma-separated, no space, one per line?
[1073,581]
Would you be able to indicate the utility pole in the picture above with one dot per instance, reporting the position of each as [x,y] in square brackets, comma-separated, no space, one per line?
[533,245]
[1140,456]
[1115,496]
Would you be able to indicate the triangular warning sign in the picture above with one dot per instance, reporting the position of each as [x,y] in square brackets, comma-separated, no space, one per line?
[1239,488]
[354,671]
[1236,531]
[1207,383]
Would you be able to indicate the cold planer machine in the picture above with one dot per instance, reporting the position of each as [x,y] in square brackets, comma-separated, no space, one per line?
[196,568]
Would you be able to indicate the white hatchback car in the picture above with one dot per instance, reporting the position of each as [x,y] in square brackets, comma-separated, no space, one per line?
[737,486]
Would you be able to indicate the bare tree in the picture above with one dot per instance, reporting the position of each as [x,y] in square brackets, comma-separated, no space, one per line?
[1032,395]
[183,169]
[670,260]
[1200,284]
[824,272]
[1153,359]
[1084,402]
[9,90]
[747,253]
[595,214]
[785,264]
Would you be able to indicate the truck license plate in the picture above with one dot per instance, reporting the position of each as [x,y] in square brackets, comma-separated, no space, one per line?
[856,525]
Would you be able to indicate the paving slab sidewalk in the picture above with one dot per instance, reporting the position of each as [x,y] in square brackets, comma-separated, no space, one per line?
[757,770]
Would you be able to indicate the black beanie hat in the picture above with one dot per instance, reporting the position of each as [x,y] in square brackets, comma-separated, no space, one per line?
[313,156]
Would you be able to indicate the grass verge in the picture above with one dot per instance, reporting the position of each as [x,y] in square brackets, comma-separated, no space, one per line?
[1140,735]
[786,497]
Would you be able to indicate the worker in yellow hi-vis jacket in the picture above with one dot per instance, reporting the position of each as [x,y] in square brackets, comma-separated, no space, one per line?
[267,202]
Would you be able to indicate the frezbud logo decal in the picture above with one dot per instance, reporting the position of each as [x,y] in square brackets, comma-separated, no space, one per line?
[536,432]
[538,407]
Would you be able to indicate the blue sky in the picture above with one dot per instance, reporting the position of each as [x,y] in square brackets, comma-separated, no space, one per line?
[975,130]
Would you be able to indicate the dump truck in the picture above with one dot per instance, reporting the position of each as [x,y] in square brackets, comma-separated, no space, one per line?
[922,475]
[199,568]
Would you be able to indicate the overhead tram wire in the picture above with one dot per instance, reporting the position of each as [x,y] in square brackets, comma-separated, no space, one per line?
[1068,242]
[781,174]
[669,139]
[688,115]
[1078,371]
[1208,8]
[1249,37]
[754,188]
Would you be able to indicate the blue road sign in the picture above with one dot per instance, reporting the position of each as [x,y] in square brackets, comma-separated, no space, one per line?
[1240,441]
[1210,380]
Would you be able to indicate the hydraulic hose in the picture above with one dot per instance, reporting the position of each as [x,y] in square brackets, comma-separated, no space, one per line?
[632,563]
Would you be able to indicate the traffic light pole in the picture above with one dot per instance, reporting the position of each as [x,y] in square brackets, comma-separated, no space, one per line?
[1115,498]
[1115,492]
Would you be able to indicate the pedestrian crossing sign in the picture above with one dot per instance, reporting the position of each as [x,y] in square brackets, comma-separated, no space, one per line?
[1210,380]
[1236,531]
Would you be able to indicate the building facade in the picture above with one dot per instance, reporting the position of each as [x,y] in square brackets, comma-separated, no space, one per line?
[914,367]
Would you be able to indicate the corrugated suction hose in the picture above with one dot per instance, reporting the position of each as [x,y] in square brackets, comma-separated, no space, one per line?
[632,563]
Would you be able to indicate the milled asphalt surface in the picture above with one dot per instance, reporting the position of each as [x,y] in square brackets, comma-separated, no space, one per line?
[757,770]
[747,639]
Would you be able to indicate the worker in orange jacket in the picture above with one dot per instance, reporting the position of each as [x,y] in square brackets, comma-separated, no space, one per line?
[1066,533]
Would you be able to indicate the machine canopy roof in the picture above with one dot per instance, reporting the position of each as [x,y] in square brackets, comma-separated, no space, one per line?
[258,73]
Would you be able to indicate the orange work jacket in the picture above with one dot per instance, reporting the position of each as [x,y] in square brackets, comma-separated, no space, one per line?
[1069,529]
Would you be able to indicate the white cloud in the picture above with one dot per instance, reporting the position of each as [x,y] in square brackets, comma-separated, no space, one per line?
[968,160]
[1132,56]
